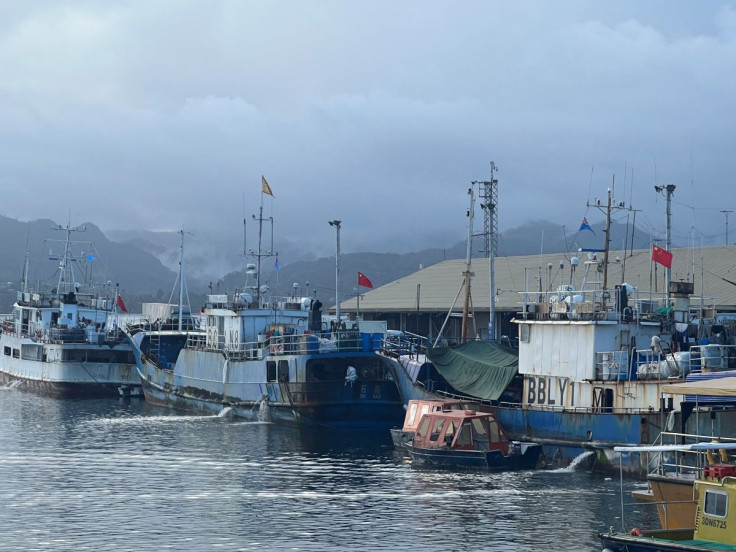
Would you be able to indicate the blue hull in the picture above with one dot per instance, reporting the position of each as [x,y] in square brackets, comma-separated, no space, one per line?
[242,386]
[568,436]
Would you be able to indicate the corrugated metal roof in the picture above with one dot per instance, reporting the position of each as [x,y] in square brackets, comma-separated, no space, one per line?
[437,286]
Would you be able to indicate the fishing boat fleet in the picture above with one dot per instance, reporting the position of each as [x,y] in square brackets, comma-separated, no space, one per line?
[592,370]
[592,375]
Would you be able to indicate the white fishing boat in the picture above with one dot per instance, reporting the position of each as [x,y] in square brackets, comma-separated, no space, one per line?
[63,340]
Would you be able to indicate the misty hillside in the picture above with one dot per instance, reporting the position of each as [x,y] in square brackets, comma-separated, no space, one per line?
[138,273]
[318,276]
[145,263]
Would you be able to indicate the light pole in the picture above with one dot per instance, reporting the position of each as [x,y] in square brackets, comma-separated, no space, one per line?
[726,212]
[336,224]
[668,190]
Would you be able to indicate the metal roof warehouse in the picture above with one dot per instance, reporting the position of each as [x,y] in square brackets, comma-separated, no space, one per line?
[422,302]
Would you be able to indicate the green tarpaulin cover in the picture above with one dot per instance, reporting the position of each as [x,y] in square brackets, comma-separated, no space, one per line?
[482,369]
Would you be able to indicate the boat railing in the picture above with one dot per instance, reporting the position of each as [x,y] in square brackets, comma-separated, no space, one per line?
[398,343]
[568,303]
[661,363]
[340,341]
[580,409]
[76,335]
[136,324]
[681,460]
[712,357]
[239,301]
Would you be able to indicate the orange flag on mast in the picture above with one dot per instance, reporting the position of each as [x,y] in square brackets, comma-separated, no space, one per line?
[265,188]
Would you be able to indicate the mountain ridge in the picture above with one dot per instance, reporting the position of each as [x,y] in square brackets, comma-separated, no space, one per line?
[145,263]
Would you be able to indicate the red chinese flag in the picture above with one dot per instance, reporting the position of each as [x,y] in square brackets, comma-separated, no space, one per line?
[662,256]
[121,304]
[363,281]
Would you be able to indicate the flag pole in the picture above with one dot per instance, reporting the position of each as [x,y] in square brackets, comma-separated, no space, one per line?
[336,223]
[115,303]
[357,316]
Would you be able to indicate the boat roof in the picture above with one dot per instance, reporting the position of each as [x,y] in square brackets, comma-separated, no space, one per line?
[721,387]
[442,402]
[459,414]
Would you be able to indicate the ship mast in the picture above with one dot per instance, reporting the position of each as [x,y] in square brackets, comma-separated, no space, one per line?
[467,275]
[66,282]
[489,197]
[181,279]
[260,253]
[607,209]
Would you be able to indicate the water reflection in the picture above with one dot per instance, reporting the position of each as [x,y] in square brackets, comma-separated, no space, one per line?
[91,475]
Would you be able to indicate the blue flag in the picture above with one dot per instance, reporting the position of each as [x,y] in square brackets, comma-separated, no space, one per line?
[586,226]
[277,265]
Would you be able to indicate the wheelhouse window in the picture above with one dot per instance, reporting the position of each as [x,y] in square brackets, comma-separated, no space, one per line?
[423,427]
[283,370]
[270,370]
[436,430]
[412,413]
[524,333]
[479,427]
[716,503]
[465,436]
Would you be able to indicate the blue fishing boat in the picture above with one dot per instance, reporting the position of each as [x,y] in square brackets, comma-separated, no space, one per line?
[265,361]
[591,367]
[466,439]
[269,357]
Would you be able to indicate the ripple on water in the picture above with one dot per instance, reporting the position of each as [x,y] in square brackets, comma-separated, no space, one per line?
[97,475]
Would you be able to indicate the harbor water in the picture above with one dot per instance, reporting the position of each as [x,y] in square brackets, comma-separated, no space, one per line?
[119,474]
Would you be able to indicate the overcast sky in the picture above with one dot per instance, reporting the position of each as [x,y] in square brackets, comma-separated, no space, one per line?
[164,115]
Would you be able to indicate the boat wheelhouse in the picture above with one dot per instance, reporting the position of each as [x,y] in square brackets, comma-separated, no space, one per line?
[466,439]
[416,408]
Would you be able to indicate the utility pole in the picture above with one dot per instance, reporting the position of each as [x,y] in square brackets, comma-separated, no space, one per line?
[489,204]
[726,212]
[336,224]
[669,189]
[467,275]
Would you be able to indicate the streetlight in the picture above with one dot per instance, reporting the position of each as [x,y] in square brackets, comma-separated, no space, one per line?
[727,212]
[336,224]
[667,191]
